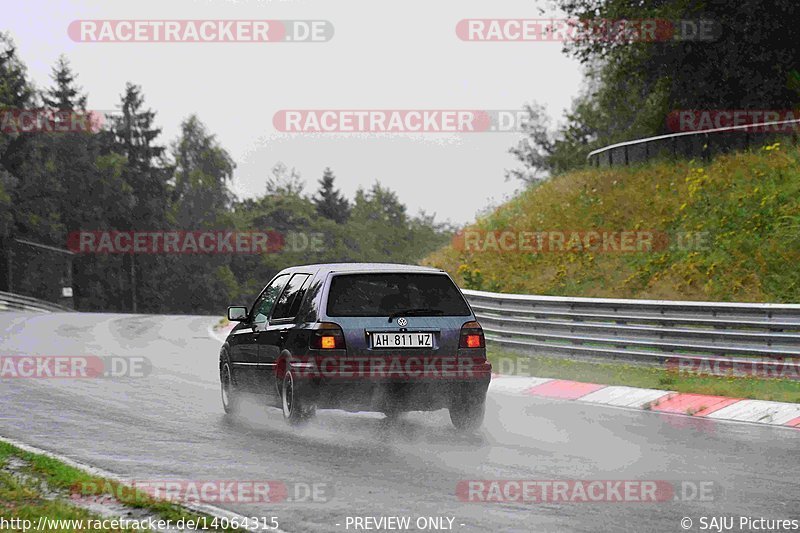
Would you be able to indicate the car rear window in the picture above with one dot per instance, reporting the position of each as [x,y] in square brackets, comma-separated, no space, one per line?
[384,294]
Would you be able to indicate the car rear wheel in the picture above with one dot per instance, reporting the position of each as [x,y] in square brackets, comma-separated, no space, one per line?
[230,396]
[467,416]
[296,410]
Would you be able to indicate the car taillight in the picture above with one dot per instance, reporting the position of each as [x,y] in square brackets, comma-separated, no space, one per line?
[329,336]
[328,342]
[473,341]
[471,336]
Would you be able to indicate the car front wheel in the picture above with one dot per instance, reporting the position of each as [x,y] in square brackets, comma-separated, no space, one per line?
[230,396]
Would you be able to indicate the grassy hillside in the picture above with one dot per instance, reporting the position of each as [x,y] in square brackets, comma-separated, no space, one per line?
[744,207]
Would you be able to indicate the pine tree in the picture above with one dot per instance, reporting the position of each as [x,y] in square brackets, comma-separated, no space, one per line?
[16,92]
[146,171]
[329,201]
[148,175]
[65,95]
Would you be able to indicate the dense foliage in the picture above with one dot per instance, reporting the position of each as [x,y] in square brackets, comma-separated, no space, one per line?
[123,176]
[632,86]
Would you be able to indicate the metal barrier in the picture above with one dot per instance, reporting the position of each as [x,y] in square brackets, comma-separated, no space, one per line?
[704,143]
[651,331]
[17,302]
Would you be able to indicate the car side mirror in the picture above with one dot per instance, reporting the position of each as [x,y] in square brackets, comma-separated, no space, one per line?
[237,313]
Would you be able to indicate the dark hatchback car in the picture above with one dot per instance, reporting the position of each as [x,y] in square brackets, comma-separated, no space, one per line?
[359,337]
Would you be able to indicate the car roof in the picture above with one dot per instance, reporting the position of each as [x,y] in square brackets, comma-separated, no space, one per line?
[363,267]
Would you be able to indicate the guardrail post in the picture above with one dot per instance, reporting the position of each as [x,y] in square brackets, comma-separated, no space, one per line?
[625,148]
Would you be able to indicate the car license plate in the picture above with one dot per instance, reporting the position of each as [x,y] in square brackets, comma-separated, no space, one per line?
[402,340]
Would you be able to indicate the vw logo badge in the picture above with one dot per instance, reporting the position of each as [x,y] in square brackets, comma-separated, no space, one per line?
[402,321]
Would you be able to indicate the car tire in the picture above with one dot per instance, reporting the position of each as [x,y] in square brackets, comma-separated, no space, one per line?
[228,392]
[467,416]
[296,409]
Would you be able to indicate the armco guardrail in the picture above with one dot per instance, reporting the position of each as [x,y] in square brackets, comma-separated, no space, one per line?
[17,302]
[653,331]
[704,143]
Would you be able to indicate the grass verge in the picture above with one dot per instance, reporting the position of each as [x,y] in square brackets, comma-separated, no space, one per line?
[729,230]
[41,486]
[779,390]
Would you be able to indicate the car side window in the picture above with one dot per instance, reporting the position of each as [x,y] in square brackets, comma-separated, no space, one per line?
[267,299]
[289,301]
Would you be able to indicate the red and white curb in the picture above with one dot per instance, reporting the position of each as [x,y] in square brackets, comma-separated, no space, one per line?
[698,405]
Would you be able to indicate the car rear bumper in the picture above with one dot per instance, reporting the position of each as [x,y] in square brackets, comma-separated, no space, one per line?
[410,389]
[393,395]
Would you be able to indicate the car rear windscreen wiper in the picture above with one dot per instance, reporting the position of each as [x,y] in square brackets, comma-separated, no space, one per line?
[417,311]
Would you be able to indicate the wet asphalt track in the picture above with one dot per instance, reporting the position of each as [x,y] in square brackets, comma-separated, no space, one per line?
[170,425]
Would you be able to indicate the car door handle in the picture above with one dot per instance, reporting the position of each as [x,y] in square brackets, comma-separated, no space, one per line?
[284,333]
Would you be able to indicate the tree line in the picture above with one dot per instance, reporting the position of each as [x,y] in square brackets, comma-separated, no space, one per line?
[631,86]
[123,176]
